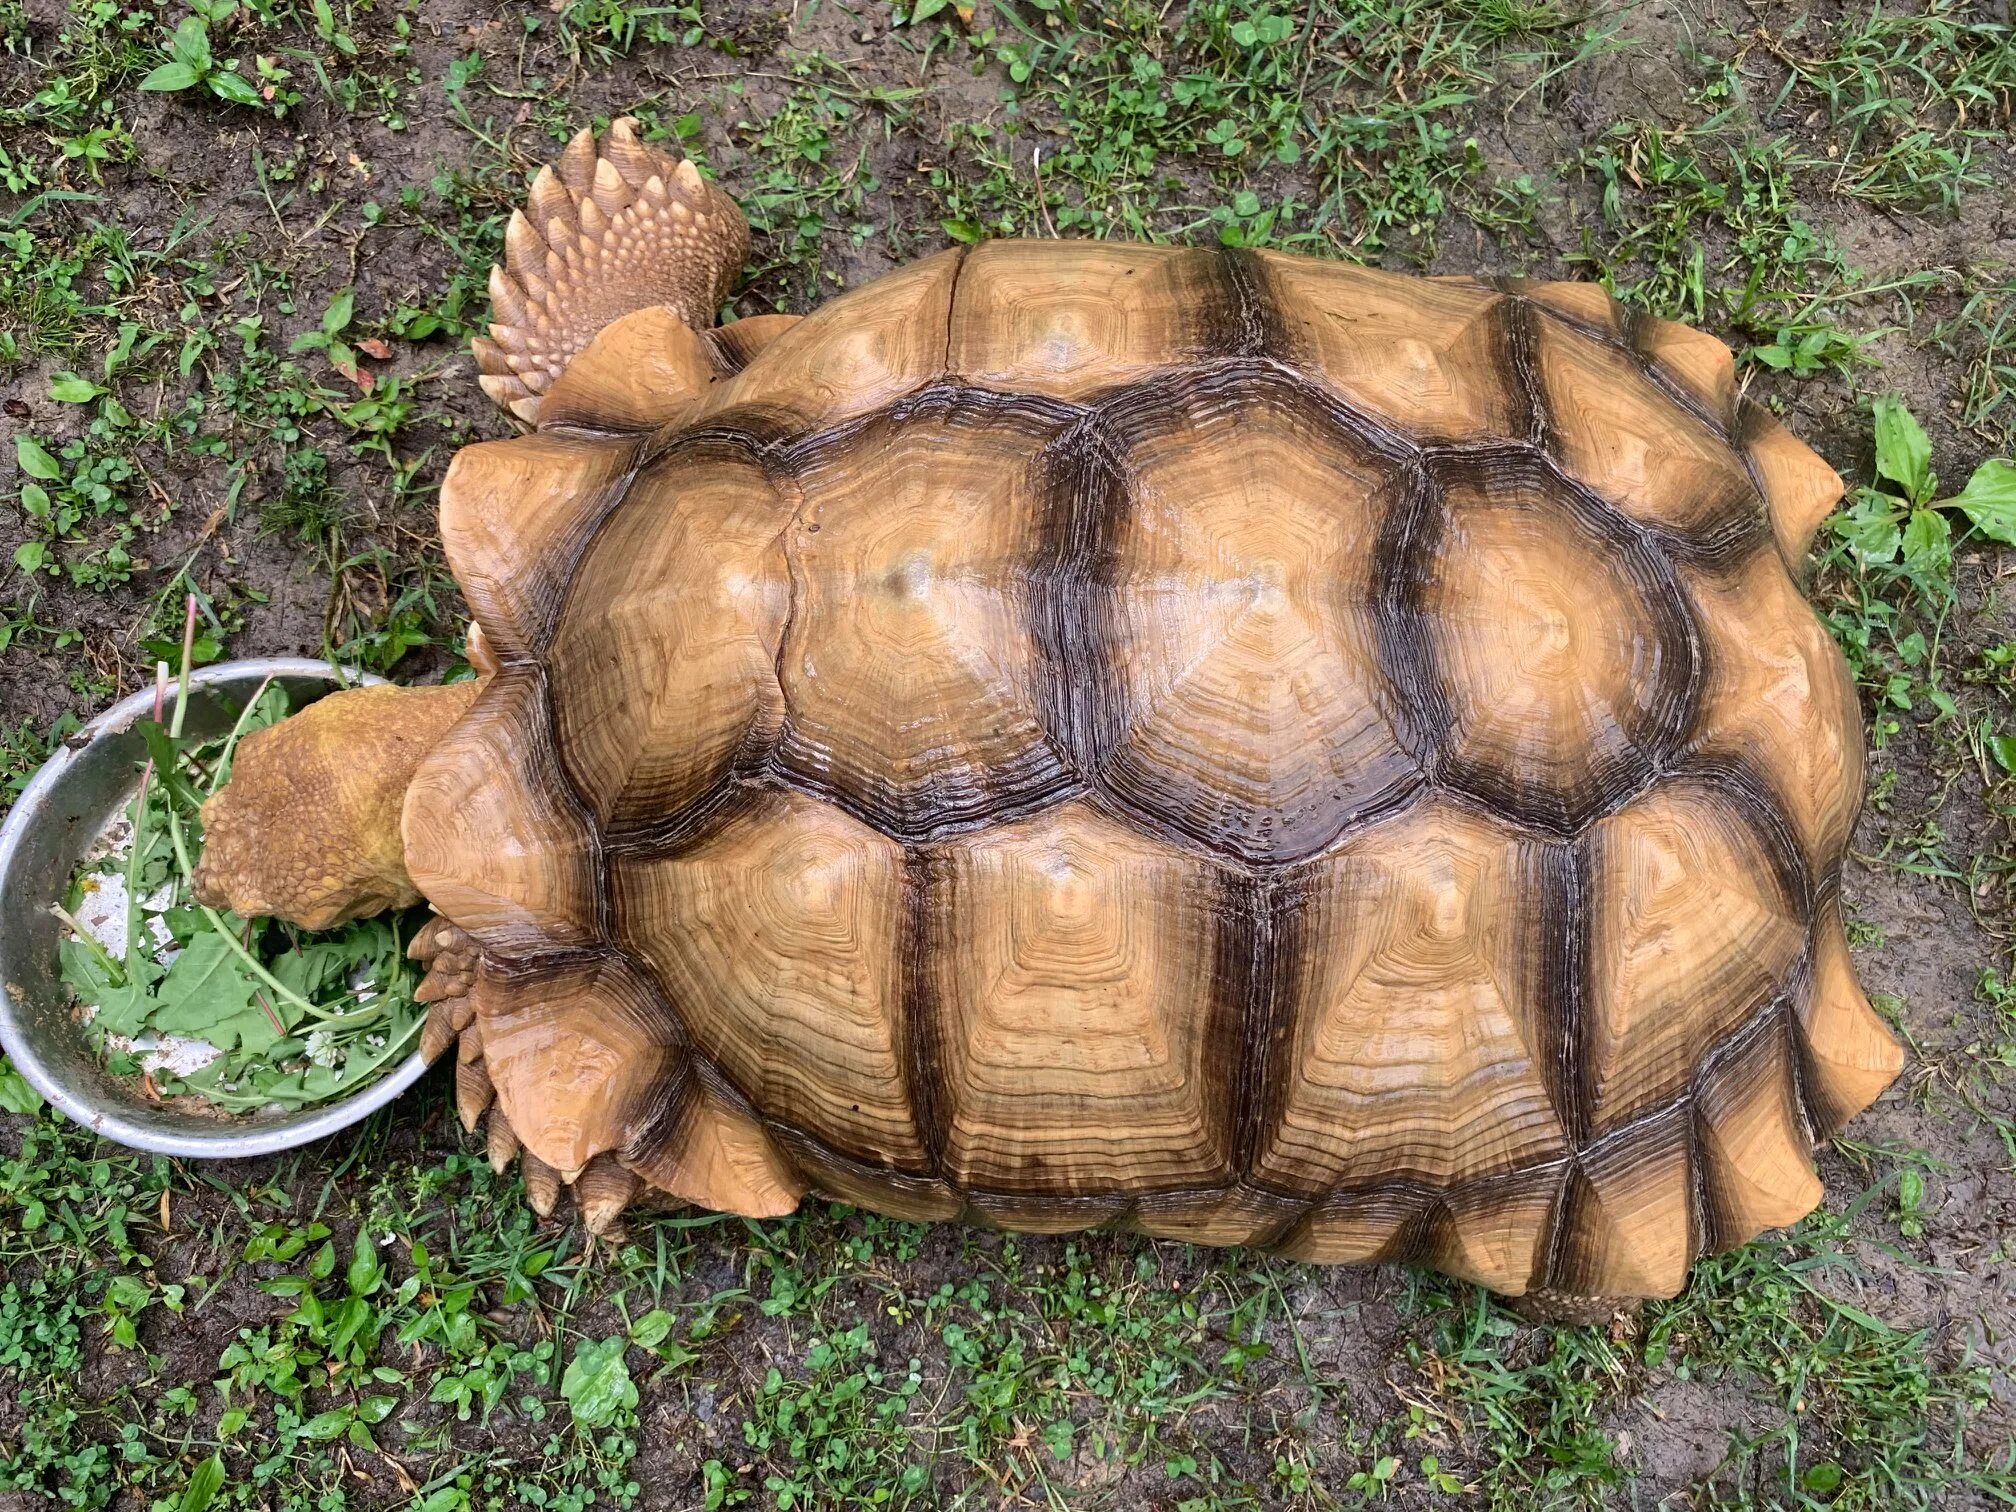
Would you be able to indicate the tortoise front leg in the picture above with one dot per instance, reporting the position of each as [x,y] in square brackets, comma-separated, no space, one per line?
[602,1188]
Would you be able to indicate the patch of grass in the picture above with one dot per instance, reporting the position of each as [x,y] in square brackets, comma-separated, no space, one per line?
[1868,1415]
[1915,96]
[1339,129]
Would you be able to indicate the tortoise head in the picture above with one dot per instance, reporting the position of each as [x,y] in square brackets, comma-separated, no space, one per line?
[307,829]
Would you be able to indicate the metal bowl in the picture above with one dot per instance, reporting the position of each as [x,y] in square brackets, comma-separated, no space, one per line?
[45,836]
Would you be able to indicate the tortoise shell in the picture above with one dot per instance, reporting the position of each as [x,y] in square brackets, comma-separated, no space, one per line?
[1247,748]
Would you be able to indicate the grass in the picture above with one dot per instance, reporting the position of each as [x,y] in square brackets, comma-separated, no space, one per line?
[231,338]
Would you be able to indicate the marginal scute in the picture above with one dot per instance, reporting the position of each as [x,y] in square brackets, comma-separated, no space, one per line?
[1756,1156]
[1427,358]
[1580,303]
[707,1150]
[1629,1215]
[1849,1054]
[1494,1233]
[1693,929]
[492,838]
[733,347]
[663,665]
[1068,318]
[1233,627]
[1673,474]
[1777,696]
[1695,363]
[854,354]
[894,1192]
[1083,1045]
[1418,1004]
[1358,1227]
[1563,655]
[1241,1214]
[1045,1212]
[779,937]
[1800,489]
[514,514]
[642,371]
[909,679]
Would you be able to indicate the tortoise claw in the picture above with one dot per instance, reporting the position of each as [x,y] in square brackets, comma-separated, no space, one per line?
[504,1144]
[542,1183]
[438,1033]
[602,1191]
[473,1094]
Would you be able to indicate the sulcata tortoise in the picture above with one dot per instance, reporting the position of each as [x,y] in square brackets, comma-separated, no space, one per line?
[1250,749]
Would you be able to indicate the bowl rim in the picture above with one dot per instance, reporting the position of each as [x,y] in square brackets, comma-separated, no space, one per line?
[103,1115]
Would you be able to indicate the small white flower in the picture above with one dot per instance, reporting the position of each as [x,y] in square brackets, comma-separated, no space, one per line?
[322,1048]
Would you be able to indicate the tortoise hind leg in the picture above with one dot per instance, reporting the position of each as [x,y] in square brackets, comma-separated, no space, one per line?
[604,233]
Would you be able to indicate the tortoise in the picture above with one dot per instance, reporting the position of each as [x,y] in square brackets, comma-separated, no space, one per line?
[1237,746]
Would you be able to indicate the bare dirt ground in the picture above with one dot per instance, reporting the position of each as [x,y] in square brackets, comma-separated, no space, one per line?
[233,361]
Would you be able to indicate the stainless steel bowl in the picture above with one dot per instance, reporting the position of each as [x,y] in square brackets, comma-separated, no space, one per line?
[64,809]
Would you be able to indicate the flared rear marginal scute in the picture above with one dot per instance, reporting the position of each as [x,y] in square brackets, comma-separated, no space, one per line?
[1800,489]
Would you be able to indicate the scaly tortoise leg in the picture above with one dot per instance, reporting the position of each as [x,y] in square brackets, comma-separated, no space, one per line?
[605,233]
[1543,1304]
[603,1188]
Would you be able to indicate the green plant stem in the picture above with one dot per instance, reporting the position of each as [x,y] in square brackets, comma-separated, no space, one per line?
[182,685]
[231,741]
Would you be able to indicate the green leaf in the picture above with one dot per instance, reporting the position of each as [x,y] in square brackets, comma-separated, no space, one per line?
[337,316]
[68,388]
[962,231]
[34,461]
[2003,749]
[1989,500]
[205,1481]
[30,555]
[1928,543]
[1903,452]
[191,44]
[207,995]
[364,1267]
[122,1003]
[16,1096]
[170,77]
[1822,1478]
[649,1331]
[597,1384]
[325,1425]
[1870,526]
[227,85]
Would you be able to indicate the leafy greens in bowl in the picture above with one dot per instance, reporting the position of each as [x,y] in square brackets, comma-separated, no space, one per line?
[55,845]
[198,1003]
